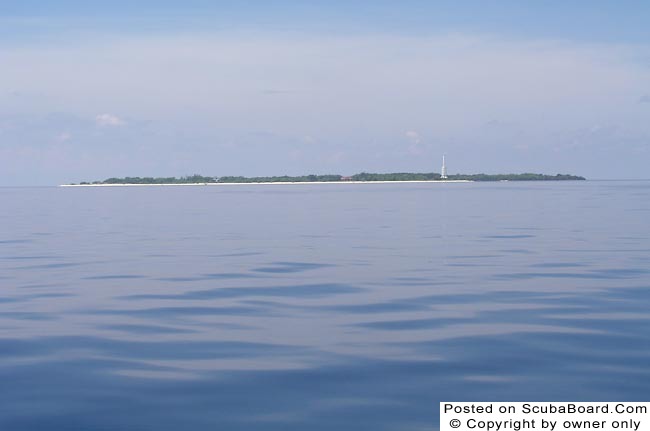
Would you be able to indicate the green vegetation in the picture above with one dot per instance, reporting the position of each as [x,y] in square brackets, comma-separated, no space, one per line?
[516,177]
[397,176]
[282,179]
[405,176]
[364,176]
[192,179]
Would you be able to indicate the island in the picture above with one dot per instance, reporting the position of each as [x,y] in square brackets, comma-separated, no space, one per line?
[363,177]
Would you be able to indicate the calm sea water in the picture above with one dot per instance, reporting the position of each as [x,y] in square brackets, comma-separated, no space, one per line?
[317,307]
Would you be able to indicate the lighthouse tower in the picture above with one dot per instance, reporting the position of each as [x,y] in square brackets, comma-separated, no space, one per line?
[443,171]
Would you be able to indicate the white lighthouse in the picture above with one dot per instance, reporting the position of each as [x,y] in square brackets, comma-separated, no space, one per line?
[443,171]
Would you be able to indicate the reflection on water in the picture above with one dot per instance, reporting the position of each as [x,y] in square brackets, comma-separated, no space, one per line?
[317,307]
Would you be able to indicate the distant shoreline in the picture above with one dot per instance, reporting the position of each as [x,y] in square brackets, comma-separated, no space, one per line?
[362,178]
[267,183]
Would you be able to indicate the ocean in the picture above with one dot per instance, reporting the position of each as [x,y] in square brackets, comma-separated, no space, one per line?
[317,307]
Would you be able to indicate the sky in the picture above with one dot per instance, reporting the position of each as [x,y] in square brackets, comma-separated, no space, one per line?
[91,90]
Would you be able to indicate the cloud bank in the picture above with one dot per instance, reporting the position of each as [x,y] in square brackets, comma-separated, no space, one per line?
[109,120]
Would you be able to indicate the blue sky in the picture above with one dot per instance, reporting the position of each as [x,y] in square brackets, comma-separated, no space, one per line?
[96,89]
[595,20]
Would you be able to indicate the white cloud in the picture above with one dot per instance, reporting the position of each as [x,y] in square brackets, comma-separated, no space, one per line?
[109,120]
[413,136]
[415,148]
[62,137]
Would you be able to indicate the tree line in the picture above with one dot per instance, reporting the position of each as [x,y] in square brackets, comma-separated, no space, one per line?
[363,176]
